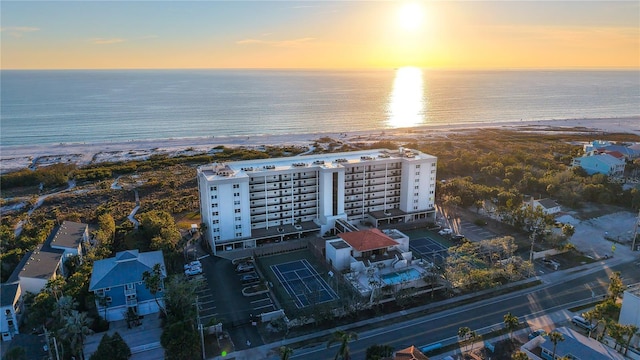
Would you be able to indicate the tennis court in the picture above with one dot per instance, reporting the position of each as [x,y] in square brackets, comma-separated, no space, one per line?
[303,283]
[429,249]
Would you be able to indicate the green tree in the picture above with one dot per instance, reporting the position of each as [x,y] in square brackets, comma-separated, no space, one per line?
[568,230]
[343,338]
[629,331]
[285,352]
[112,348]
[75,330]
[15,353]
[617,333]
[378,352]
[511,323]
[180,340]
[519,355]
[616,287]
[153,281]
[555,337]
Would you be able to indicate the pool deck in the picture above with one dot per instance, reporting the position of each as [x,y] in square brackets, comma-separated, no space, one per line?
[361,280]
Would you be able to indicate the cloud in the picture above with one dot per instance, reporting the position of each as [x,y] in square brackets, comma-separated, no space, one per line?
[103,41]
[276,43]
[18,31]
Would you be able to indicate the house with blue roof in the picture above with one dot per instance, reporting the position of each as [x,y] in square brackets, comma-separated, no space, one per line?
[575,346]
[594,163]
[118,286]
[628,151]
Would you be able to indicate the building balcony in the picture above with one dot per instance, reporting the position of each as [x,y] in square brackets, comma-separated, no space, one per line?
[130,292]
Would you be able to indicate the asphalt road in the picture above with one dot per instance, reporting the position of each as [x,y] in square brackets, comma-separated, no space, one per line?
[487,313]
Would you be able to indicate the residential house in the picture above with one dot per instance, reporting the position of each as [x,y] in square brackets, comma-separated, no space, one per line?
[10,308]
[47,261]
[594,163]
[37,268]
[631,151]
[630,311]
[575,346]
[69,237]
[118,286]
[548,206]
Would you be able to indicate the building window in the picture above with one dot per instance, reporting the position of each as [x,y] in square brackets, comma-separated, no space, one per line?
[416,194]
[415,208]
[215,213]
[433,171]
[214,205]
[214,197]
[236,194]
[237,211]
[433,164]
[416,187]
[237,202]
[417,173]
[238,234]
[216,221]
[216,238]
[238,227]
[416,180]
[216,230]
[236,186]
[238,218]
[418,166]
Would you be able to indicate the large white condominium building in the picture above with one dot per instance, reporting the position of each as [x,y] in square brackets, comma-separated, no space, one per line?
[249,203]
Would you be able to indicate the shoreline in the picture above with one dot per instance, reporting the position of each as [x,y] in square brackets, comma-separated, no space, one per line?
[13,158]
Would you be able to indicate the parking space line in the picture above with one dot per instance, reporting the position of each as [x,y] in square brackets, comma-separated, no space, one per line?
[264,307]
[260,300]
[206,302]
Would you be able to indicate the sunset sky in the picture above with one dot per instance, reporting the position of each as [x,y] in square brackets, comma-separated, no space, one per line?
[319,34]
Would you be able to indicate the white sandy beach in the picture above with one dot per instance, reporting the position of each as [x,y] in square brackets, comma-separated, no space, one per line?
[18,157]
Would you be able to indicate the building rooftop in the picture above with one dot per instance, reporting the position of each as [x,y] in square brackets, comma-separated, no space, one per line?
[410,353]
[547,203]
[68,235]
[366,240]
[580,347]
[238,169]
[41,264]
[125,268]
[339,244]
[8,294]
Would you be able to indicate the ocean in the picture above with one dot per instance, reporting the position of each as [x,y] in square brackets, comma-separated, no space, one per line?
[92,106]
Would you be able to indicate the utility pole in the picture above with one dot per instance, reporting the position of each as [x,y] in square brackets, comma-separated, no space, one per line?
[635,233]
[46,338]
[200,328]
[55,346]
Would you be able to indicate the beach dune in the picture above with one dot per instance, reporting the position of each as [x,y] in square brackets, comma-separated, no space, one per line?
[13,158]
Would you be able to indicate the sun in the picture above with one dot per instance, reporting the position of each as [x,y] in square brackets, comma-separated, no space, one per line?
[410,16]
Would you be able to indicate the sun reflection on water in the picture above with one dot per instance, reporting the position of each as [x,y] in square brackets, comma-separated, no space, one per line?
[406,101]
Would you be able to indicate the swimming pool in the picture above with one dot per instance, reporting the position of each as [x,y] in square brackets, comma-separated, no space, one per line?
[401,276]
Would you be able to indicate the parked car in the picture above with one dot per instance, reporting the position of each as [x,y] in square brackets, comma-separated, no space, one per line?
[583,323]
[250,278]
[458,237]
[193,270]
[193,263]
[245,267]
[537,333]
[445,231]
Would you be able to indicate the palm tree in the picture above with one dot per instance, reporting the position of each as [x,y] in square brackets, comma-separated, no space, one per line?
[463,334]
[342,337]
[285,352]
[630,331]
[511,323]
[75,330]
[153,281]
[555,337]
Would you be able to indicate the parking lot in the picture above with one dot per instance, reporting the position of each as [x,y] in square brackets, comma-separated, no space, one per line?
[206,302]
[472,231]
